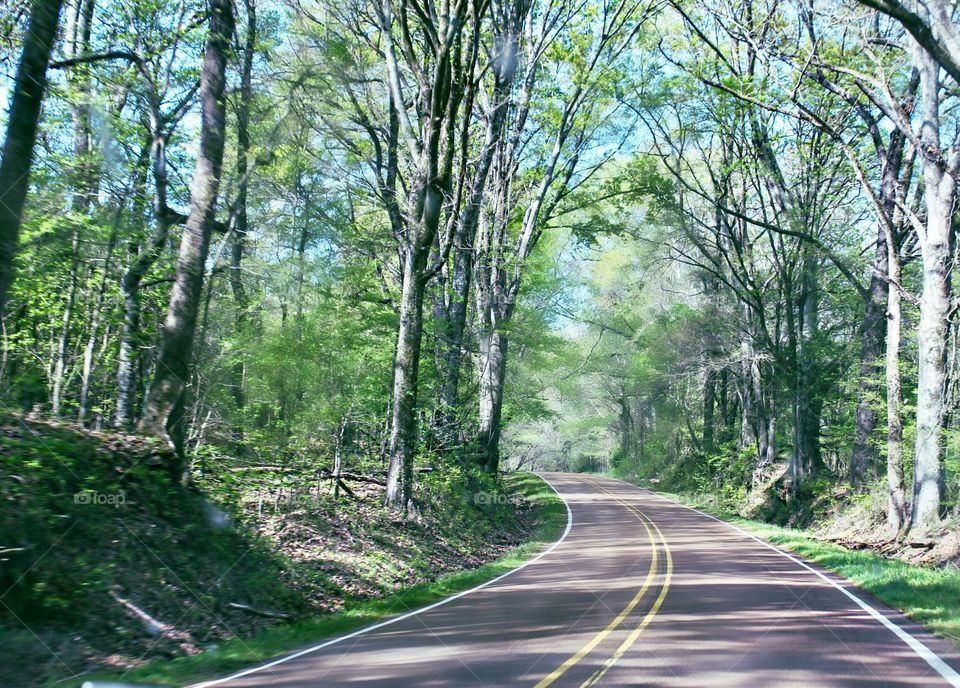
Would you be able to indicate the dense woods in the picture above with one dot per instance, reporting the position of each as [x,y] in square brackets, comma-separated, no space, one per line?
[702,242]
[770,317]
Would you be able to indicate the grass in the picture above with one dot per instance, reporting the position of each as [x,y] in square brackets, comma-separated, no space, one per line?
[549,519]
[928,596]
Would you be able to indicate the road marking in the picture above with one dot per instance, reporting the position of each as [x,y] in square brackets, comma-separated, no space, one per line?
[947,672]
[632,638]
[593,642]
[396,619]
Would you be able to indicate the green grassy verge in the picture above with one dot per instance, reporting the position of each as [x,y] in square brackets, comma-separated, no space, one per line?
[929,596]
[549,517]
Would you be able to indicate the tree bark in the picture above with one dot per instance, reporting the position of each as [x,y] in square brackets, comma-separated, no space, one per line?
[875,333]
[627,441]
[431,146]
[84,194]
[709,407]
[163,415]
[939,193]
[492,364]
[406,370]
[338,456]
[864,456]
[25,102]
[896,502]
[504,69]
[95,318]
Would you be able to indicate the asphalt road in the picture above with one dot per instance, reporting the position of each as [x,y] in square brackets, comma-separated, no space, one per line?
[640,592]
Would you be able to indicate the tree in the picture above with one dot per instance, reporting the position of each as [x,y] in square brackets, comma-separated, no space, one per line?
[413,137]
[933,46]
[165,405]
[25,102]
[940,161]
[508,21]
[522,204]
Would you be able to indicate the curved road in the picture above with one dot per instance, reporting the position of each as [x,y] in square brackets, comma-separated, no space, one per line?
[640,592]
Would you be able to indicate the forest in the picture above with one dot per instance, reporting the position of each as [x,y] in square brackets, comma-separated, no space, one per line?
[407,245]
[277,232]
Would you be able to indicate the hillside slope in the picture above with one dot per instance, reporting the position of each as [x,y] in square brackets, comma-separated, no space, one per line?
[106,562]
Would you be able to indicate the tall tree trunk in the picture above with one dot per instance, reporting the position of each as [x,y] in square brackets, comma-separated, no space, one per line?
[939,193]
[240,222]
[874,332]
[431,143]
[28,91]
[505,69]
[724,405]
[143,258]
[163,415]
[864,457]
[77,42]
[709,405]
[63,341]
[794,380]
[810,369]
[406,370]
[759,416]
[627,441]
[128,356]
[896,503]
[492,364]
[456,320]
[338,455]
[84,194]
[95,317]
[748,399]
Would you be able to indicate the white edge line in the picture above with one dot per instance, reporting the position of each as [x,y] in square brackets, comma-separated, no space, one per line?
[396,619]
[929,656]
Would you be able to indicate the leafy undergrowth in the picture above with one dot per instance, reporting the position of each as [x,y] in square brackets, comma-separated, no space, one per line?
[928,595]
[107,564]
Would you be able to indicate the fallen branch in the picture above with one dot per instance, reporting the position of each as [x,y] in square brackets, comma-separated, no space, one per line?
[326,474]
[260,612]
[343,486]
[156,627]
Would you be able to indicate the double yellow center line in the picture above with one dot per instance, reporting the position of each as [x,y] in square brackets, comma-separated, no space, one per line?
[650,527]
